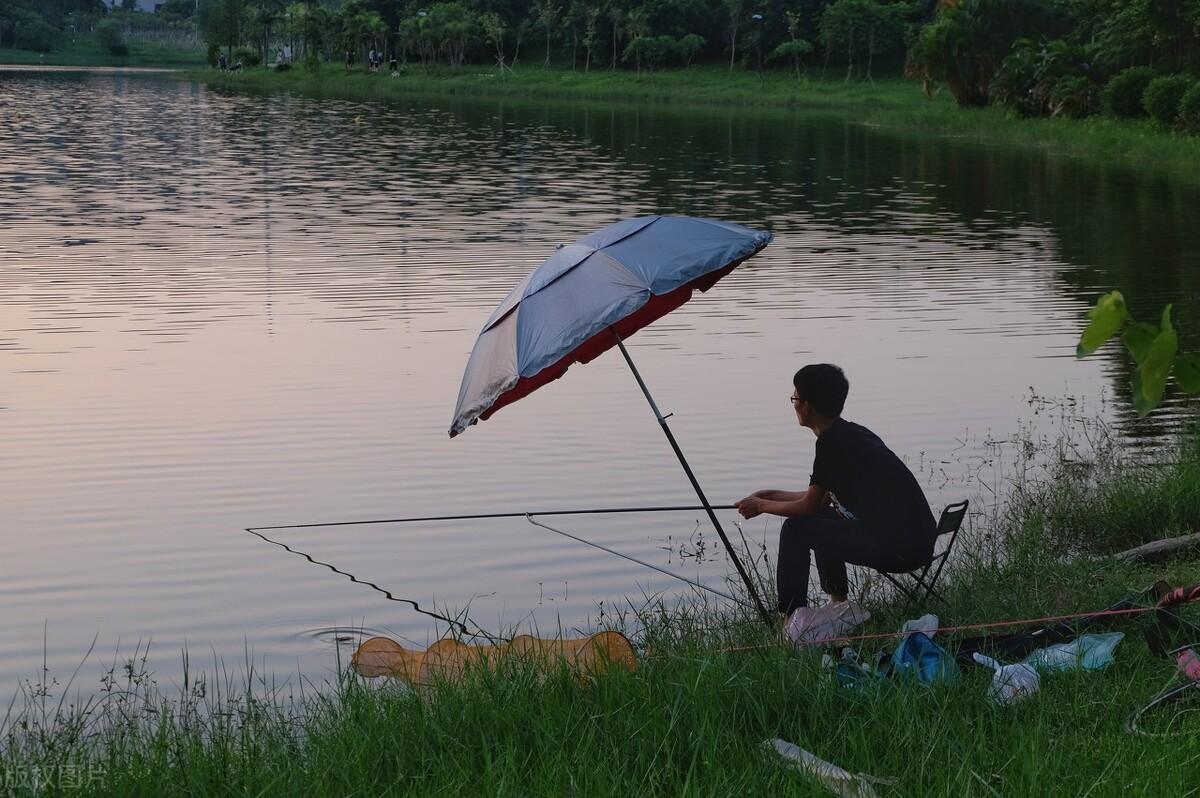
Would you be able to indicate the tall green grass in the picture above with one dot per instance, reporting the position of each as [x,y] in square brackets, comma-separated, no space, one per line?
[893,104]
[712,685]
[85,52]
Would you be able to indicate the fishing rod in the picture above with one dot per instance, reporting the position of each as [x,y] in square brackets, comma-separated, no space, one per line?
[482,516]
[529,516]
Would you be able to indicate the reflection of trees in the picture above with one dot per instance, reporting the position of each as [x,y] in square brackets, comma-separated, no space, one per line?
[376,207]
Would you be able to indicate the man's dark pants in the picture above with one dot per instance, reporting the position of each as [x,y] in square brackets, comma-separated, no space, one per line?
[836,541]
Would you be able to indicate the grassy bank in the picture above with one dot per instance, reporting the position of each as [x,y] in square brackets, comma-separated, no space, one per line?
[87,53]
[692,719]
[893,104]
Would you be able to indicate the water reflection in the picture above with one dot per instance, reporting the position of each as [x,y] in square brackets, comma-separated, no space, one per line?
[231,311]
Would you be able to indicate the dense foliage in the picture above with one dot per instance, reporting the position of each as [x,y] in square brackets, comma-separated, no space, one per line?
[1062,57]
[1162,97]
[1068,58]
[1123,94]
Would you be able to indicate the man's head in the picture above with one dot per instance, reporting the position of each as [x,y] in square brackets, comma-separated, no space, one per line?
[820,393]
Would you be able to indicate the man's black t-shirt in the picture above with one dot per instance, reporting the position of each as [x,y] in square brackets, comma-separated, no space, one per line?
[871,482]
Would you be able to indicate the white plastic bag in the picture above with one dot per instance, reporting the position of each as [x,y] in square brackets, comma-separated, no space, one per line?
[1010,683]
[927,624]
[1089,652]
[818,624]
[837,780]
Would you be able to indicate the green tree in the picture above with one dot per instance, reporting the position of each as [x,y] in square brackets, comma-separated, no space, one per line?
[108,36]
[616,19]
[637,27]
[221,21]
[591,36]
[547,13]
[736,12]
[361,26]
[494,28]
[854,28]
[688,46]
[795,48]
[966,44]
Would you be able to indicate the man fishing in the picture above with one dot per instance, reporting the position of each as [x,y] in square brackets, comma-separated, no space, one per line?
[862,506]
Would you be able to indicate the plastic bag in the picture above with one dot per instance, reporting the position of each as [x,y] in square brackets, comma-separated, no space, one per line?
[927,624]
[819,624]
[1010,683]
[837,780]
[1089,652]
[919,656]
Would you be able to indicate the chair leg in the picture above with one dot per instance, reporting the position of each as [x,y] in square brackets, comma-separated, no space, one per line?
[908,592]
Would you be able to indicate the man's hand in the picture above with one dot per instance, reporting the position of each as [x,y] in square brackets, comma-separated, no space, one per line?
[749,506]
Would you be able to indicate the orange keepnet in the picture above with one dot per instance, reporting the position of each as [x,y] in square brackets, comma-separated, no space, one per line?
[448,659]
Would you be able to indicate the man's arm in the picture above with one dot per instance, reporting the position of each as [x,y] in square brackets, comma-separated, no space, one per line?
[778,495]
[791,504]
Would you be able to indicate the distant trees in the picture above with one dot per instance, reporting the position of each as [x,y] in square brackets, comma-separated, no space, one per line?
[858,29]
[1037,57]
[1066,57]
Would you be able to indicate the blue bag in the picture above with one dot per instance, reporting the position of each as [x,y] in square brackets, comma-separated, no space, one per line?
[918,656]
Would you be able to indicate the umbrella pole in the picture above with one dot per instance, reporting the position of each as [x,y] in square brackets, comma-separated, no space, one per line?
[687,469]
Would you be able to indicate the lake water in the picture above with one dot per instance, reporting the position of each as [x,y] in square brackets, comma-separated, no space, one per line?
[232,311]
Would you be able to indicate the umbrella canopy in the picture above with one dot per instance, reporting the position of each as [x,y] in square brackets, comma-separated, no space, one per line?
[615,280]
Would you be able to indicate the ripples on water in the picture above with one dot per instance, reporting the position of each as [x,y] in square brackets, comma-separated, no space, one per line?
[228,311]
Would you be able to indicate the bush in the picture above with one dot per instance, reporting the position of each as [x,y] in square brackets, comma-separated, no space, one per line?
[31,32]
[1073,97]
[1122,96]
[312,62]
[108,36]
[966,43]
[247,55]
[1189,109]
[1046,78]
[1162,96]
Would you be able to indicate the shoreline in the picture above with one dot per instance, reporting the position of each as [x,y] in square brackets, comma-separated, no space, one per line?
[709,687]
[896,105]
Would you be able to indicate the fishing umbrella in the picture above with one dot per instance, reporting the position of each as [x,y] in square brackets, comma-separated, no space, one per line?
[586,298]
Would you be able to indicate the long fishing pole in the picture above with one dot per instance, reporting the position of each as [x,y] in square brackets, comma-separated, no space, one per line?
[692,582]
[482,516]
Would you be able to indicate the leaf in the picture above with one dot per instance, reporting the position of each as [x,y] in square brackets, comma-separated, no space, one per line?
[1140,403]
[1137,338]
[1150,381]
[1187,373]
[1107,318]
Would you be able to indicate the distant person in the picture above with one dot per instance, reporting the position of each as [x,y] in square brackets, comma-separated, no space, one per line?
[287,53]
[349,59]
[862,505]
[371,59]
[222,62]
[394,66]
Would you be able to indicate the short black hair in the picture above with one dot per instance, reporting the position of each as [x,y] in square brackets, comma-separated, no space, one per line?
[824,386]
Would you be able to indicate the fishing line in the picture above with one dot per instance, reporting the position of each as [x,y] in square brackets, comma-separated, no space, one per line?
[692,582]
[387,593]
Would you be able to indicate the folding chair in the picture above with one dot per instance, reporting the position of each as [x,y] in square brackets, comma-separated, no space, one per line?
[912,583]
